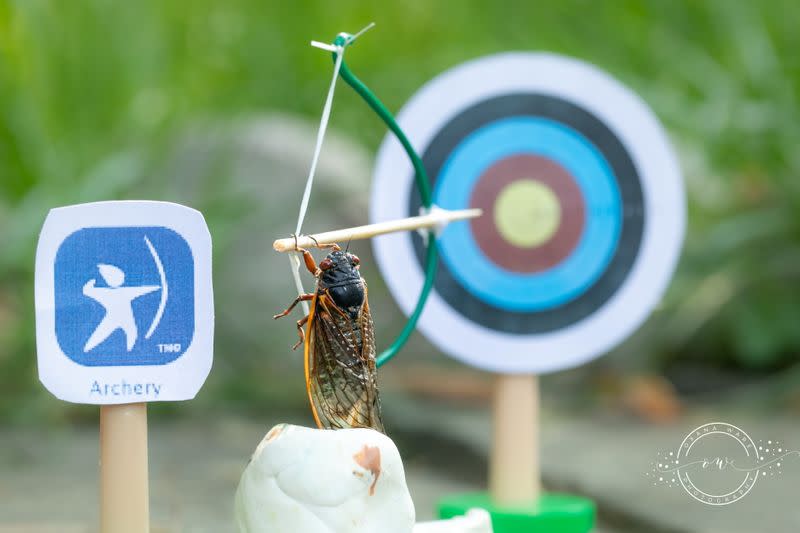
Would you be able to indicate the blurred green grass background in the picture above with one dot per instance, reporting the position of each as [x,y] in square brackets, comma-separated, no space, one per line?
[94,94]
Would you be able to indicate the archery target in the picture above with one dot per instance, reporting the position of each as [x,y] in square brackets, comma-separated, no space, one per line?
[584,211]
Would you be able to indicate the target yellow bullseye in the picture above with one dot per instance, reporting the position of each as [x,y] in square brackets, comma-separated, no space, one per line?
[527,213]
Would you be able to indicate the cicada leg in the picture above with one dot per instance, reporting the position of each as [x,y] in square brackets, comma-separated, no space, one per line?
[300,332]
[332,245]
[302,321]
[301,298]
[308,259]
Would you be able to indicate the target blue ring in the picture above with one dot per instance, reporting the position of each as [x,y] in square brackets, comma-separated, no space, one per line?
[553,287]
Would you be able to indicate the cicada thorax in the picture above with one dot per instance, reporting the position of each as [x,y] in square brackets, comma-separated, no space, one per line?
[340,349]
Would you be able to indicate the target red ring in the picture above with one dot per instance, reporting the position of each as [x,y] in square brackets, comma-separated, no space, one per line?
[571,218]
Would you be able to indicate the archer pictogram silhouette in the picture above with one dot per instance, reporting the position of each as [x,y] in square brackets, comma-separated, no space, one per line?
[118,303]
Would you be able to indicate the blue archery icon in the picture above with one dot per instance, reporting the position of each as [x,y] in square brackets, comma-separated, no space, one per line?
[117,301]
[124,296]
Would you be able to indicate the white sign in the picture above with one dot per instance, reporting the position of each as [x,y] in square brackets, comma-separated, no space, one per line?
[124,302]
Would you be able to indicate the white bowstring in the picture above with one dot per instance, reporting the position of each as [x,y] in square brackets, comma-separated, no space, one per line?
[294,260]
[323,125]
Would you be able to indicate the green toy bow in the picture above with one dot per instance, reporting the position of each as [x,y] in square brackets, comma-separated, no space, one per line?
[423,186]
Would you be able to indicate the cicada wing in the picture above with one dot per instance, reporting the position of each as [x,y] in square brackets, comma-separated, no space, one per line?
[329,398]
[340,382]
[310,365]
[372,397]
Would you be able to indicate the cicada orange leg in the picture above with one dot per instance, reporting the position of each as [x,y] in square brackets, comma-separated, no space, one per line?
[302,321]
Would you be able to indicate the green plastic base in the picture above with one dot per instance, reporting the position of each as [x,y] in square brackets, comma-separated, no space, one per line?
[553,513]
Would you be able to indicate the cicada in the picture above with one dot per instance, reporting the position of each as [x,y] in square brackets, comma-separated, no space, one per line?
[339,344]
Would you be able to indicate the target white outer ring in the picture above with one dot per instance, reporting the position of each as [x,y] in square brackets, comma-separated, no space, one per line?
[627,116]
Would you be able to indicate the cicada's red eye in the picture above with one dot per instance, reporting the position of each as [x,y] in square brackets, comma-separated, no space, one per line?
[326,264]
[354,258]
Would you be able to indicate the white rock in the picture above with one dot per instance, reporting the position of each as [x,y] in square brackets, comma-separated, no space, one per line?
[303,480]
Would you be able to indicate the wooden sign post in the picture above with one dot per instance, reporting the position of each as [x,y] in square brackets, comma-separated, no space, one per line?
[124,316]
[124,495]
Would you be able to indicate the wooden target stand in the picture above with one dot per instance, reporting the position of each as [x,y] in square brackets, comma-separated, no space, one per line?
[515,499]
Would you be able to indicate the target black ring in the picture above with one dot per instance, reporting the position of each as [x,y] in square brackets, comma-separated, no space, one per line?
[628,181]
